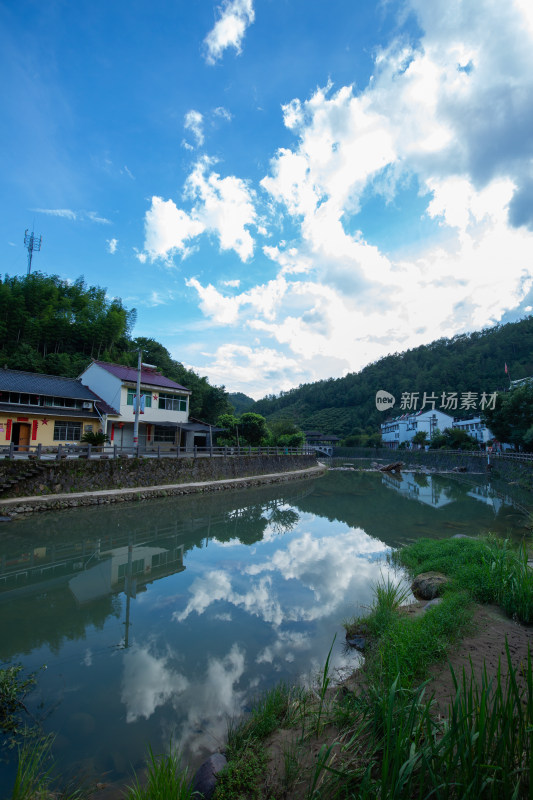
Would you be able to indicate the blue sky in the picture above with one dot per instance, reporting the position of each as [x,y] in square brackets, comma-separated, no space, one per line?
[286,190]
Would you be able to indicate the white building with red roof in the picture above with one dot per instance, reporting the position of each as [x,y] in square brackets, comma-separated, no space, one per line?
[164,414]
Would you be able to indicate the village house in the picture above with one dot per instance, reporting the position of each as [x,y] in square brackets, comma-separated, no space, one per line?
[164,408]
[47,410]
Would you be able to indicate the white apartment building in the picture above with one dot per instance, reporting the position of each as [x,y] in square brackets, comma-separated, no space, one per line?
[475,427]
[404,428]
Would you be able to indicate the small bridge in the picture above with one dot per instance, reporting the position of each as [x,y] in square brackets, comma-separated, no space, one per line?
[323,449]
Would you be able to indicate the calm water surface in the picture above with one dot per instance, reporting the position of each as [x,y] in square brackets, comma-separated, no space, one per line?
[160,620]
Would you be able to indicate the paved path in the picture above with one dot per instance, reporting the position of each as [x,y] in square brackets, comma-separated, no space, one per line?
[15,505]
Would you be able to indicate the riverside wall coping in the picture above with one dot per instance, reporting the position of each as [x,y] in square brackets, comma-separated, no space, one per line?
[25,505]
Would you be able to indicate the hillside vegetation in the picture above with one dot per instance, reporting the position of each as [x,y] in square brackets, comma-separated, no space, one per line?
[467,363]
[50,325]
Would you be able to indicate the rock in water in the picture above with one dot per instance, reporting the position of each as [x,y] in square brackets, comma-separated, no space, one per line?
[396,466]
[359,642]
[205,778]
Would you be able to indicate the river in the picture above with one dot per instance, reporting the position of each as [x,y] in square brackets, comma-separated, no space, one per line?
[158,621]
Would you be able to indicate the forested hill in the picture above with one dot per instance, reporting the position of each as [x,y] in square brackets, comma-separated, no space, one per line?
[240,402]
[467,363]
[53,326]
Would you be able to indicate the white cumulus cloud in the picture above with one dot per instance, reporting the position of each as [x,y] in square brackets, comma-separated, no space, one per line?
[223,206]
[234,17]
[194,122]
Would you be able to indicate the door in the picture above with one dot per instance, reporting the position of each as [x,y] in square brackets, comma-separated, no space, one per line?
[21,436]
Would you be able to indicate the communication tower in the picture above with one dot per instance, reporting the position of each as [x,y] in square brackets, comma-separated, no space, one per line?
[32,243]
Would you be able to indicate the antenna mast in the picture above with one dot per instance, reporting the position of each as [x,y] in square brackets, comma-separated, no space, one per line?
[32,243]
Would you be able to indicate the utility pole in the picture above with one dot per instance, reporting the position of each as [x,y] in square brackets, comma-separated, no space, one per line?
[137,404]
[32,243]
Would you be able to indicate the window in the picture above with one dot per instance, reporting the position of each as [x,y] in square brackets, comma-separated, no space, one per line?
[172,402]
[147,398]
[136,567]
[66,431]
[164,434]
[22,398]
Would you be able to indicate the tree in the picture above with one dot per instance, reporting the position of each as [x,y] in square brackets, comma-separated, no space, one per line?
[510,420]
[420,438]
[453,439]
[253,428]
[229,422]
[284,433]
[374,440]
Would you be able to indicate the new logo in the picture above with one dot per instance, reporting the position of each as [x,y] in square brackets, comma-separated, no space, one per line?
[384,400]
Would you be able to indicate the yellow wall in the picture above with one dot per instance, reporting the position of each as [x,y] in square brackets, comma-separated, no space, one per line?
[45,432]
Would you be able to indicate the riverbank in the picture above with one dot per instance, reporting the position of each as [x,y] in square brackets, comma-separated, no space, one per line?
[17,506]
[443,704]
[509,468]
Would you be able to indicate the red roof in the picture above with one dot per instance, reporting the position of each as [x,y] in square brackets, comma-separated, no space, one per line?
[150,377]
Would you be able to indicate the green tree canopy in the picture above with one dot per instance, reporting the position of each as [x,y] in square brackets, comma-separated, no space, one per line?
[511,419]
[50,325]
[253,428]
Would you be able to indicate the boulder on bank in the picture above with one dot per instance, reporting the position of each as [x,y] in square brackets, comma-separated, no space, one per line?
[428,585]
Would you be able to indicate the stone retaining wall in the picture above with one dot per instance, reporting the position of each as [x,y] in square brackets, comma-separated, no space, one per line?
[261,475]
[520,472]
[78,475]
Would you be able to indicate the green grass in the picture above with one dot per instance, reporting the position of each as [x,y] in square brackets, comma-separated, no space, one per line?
[247,757]
[166,780]
[272,710]
[407,647]
[242,778]
[33,775]
[34,778]
[490,569]
[404,646]
[395,747]
[14,715]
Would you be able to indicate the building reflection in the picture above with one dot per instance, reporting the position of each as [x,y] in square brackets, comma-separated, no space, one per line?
[418,487]
[62,578]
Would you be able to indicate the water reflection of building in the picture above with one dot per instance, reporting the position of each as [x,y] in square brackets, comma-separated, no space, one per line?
[418,487]
[485,495]
[91,568]
[142,564]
